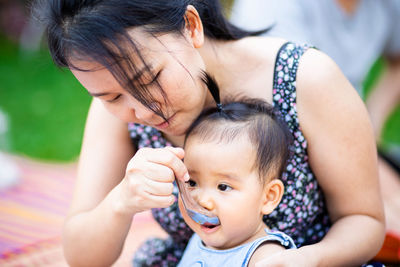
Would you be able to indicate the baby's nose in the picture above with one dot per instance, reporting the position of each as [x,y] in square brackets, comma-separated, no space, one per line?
[206,200]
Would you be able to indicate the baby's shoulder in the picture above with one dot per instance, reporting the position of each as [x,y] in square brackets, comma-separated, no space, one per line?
[265,250]
[273,243]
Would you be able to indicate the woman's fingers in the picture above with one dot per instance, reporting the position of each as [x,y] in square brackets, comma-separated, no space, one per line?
[158,188]
[172,158]
[149,178]
[162,201]
[169,157]
[142,200]
[158,172]
[179,152]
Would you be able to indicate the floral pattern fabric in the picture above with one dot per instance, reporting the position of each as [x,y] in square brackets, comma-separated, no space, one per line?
[302,212]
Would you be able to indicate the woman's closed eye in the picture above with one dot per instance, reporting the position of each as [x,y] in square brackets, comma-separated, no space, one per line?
[224,187]
[114,99]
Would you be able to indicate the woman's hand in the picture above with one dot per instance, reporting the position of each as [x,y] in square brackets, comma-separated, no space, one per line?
[287,258]
[148,182]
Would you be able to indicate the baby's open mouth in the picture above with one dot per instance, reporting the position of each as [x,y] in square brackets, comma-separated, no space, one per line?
[209,225]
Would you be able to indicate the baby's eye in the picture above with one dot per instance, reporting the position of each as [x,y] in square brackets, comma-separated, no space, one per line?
[191,183]
[224,187]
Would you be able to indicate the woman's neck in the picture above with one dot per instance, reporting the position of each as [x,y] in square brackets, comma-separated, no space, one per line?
[243,67]
[218,64]
[229,62]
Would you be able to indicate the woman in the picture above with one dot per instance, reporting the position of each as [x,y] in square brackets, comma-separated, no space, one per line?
[144,63]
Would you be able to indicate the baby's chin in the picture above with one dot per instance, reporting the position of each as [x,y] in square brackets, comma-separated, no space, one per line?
[218,245]
[228,242]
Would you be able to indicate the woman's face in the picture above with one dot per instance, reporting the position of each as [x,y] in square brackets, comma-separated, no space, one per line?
[177,66]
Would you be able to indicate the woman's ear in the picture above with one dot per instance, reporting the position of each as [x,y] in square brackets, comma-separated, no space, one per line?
[194,27]
[273,192]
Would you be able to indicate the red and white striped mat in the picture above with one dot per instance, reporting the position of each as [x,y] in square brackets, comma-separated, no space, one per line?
[32,213]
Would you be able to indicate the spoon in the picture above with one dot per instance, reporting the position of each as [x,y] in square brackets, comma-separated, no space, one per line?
[193,209]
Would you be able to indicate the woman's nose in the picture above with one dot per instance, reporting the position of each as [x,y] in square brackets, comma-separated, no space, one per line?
[142,112]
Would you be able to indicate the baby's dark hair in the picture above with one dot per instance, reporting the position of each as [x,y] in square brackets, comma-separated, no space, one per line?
[257,119]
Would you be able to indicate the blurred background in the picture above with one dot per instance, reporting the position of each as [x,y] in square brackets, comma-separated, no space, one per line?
[43,108]
[42,116]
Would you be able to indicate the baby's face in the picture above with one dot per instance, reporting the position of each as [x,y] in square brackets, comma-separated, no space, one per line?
[224,181]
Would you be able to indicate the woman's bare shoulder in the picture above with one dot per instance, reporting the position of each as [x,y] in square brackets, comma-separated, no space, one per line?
[265,46]
[323,93]
[320,79]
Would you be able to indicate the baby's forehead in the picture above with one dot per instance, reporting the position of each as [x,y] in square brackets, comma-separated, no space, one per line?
[220,147]
[220,131]
[235,154]
[217,138]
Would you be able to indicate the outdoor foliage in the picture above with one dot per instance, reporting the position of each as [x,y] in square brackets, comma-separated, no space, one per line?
[46,106]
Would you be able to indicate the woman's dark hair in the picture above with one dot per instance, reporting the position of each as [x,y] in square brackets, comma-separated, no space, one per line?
[257,119]
[97,30]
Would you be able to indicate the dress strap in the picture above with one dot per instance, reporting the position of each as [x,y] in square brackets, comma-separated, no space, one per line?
[284,83]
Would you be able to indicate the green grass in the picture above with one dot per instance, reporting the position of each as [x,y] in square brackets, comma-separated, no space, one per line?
[46,106]
[391,130]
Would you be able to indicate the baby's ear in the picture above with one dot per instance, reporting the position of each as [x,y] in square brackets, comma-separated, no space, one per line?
[273,192]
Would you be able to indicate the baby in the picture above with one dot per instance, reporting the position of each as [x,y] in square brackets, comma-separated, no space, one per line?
[235,154]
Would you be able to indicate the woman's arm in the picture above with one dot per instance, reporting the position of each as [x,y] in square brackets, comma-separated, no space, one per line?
[92,232]
[342,155]
[113,186]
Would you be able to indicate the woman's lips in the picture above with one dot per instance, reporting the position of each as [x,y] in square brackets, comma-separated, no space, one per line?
[164,124]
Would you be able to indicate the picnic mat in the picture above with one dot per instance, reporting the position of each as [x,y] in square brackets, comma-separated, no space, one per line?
[32,212]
